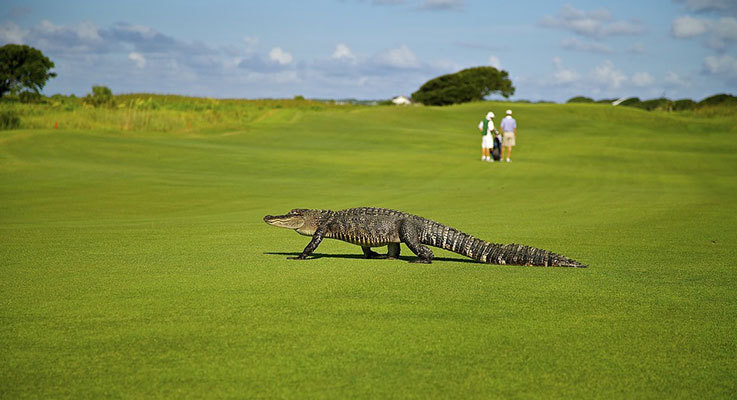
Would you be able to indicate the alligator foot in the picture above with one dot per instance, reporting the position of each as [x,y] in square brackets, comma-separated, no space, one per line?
[420,261]
[370,254]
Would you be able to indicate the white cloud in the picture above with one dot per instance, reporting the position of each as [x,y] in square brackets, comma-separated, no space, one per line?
[445,66]
[563,75]
[494,62]
[642,79]
[280,56]
[685,27]
[623,28]
[400,57]
[597,23]
[86,31]
[387,2]
[590,47]
[442,4]
[722,33]
[140,31]
[637,48]
[724,66]
[674,80]
[725,29]
[251,42]
[343,52]
[608,75]
[12,33]
[137,58]
[720,6]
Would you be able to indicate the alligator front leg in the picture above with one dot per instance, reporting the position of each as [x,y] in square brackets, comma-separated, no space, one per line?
[409,233]
[316,239]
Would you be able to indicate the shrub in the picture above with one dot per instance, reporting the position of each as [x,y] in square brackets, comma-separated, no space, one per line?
[9,119]
[656,104]
[683,104]
[29,97]
[580,99]
[719,99]
[631,102]
[100,96]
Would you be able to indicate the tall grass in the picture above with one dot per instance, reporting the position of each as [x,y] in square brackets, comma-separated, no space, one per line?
[139,112]
[148,112]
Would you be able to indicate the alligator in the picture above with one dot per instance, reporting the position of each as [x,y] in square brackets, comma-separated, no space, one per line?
[374,227]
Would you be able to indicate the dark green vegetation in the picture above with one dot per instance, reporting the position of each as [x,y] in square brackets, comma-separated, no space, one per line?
[716,104]
[136,263]
[471,84]
[24,70]
[101,96]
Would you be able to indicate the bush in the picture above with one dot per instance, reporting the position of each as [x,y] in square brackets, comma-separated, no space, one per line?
[9,119]
[100,96]
[580,99]
[29,97]
[719,99]
[656,104]
[631,102]
[683,104]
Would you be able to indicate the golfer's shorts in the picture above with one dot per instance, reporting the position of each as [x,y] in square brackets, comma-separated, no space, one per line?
[508,139]
[487,141]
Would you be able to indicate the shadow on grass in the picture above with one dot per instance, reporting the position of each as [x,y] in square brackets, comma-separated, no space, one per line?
[361,257]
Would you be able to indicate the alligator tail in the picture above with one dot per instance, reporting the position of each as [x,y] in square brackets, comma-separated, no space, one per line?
[448,238]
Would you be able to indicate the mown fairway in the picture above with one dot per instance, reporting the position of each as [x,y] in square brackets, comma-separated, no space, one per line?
[138,264]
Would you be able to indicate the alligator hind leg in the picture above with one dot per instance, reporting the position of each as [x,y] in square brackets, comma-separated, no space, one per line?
[393,252]
[370,253]
[409,233]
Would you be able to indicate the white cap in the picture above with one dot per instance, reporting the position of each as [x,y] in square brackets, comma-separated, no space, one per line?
[489,115]
[509,112]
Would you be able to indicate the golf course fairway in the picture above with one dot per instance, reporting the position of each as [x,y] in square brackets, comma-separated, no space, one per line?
[136,264]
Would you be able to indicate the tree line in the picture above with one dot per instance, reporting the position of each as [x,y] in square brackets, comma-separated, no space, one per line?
[664,104]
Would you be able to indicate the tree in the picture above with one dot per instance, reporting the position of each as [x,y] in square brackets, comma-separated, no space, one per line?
[100,96]
[470,84]
[23,67]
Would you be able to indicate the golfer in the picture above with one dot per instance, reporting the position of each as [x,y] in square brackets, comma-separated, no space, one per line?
[509,134]
[487,137]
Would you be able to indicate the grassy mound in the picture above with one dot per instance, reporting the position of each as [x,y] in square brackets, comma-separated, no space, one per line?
[136,264]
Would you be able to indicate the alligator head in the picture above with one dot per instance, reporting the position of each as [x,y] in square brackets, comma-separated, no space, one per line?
[303,221]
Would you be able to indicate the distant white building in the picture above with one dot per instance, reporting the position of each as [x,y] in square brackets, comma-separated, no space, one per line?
[401,100]
[618,101]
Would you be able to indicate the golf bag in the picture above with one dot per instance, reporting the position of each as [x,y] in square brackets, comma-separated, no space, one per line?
[496,151]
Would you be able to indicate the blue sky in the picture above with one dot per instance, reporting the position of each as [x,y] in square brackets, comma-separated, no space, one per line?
[377,49]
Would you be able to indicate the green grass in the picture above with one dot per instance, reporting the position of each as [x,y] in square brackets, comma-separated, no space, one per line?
[135,263]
